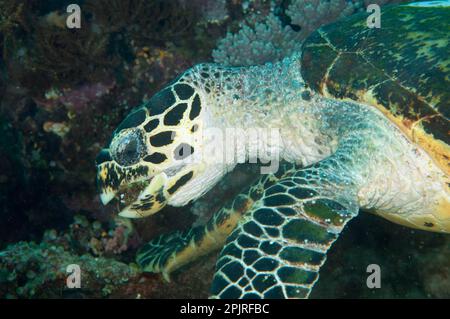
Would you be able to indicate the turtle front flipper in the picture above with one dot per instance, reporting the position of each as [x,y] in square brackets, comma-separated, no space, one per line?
[279,246]
[169,252]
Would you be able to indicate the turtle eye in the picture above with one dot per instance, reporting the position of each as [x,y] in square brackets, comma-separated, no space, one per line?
[128,149]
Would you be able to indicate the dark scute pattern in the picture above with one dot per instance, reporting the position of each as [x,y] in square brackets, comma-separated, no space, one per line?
[243,281]
[265,264]
[296,292]
[184,91]
[287,211]
[233,271]
[405,63]
[270,247]
[180,182]
[301,230]
[217,285]
[195,108]
[231,292]
[315,61]
[302,193]
[223,261]
[160,102]
[163,138]
[278,200]
[274,293]
[250,256]
[268,217]
[296,275]
[263,281]
[253,229]
[277,188]
[150,126]
[247,242]
[250,273]
[132,120]
[175,115]
[300,255]
[438,127]
[155,158]
[273,231]
[233,251]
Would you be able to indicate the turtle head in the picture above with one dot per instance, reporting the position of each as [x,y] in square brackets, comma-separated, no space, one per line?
[155,155]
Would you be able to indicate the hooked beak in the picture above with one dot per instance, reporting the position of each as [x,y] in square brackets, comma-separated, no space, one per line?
[150,201]
[142,196]
[106,196]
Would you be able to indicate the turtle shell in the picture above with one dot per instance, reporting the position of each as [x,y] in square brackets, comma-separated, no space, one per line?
[402,68]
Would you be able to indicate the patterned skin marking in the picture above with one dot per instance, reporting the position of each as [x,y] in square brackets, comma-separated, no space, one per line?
[162,139]
[196,108]
[134,119]
[259,263]
[288,260]
[170,252]
[151,125]
[145,142]
[155,158]
[175,115]
[180,182]
[184,91]
[161,101]
[183,150]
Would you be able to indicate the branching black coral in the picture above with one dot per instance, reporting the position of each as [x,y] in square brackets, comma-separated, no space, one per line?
[145,20]
[69,55]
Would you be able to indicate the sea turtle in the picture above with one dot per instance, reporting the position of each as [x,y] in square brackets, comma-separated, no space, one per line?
[362,122]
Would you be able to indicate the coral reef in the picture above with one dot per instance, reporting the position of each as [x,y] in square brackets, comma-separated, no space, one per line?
[30,270]
[310,15]
[114,237]
[64,91]
[265,42]
[145,20]
[56,48]
[283,29]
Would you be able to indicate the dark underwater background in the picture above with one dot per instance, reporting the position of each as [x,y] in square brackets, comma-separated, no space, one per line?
[62,93]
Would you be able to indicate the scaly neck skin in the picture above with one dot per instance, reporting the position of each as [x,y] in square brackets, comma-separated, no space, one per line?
[370,151]
[272,97]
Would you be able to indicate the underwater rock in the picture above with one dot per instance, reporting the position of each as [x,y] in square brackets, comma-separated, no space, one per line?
[76,99]
[30,270]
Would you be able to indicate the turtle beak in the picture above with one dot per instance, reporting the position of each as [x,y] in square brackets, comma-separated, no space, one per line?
[142,193]
[108,181]
[109,176]
[150,200]
[106,196]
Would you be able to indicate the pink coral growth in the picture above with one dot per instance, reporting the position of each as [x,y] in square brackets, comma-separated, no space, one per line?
[117,243]
[122,239]
[78,99]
